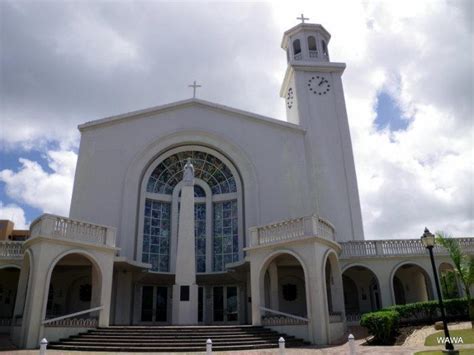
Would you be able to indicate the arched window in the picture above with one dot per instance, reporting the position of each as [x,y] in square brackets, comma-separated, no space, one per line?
[218,227]
[313,52]
[297,49]
[325,48]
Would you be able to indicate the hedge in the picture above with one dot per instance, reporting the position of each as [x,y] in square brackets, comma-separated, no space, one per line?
[383,325]
[428,312]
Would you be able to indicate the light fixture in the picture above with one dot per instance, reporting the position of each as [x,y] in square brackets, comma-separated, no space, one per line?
[428,239]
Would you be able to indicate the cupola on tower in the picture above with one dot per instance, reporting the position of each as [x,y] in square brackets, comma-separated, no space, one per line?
[306,42]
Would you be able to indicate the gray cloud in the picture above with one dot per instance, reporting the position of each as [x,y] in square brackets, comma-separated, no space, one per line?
[64,63]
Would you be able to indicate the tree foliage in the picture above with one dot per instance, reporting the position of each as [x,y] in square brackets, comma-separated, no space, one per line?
[463,266]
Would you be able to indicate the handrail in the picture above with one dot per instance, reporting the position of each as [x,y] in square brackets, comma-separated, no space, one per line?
[47,321]
[284,314]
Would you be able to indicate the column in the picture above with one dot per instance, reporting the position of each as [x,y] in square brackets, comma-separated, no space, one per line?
[274,294]
[255,292]
[185,290]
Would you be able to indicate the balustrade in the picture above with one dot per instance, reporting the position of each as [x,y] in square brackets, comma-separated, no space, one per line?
[397,247]
[10,249]
[291,229]
[51,226]
[272,317]
[74,323]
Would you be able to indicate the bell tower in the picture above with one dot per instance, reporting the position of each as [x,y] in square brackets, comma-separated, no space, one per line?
[314,99]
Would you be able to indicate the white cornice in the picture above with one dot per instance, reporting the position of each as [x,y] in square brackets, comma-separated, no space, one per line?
[182,104]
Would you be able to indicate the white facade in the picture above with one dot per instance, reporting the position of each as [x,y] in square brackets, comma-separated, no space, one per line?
[276,237]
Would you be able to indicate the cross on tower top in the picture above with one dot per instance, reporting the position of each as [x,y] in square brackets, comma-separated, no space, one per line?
[302,18]
[194,86]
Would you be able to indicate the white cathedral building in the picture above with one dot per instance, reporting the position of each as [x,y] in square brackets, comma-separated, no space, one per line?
[195,213]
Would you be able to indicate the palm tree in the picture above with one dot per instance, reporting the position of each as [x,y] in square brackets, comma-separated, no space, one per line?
[463,265]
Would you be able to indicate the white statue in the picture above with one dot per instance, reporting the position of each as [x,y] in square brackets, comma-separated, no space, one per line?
[188,174]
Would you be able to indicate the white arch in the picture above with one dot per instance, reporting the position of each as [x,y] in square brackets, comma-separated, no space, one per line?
[238,196]
[365,266]
[53,264]
[264,266]
[334,268]
[225,145]
[348,266]
[426,274]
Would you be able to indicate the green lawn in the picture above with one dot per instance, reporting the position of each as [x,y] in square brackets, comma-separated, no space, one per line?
[467,336]
[439,352]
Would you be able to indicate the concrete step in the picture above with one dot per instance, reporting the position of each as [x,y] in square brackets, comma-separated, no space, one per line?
[151,334]
[167,343]
[168,339]
[173,338]
[181,331]
[169,349]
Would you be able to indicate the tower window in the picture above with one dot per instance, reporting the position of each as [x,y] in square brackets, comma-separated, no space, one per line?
[313,52]
[297,49]
[325,48]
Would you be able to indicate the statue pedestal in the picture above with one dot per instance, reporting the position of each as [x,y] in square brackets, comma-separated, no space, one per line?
[185,290]
[185,312]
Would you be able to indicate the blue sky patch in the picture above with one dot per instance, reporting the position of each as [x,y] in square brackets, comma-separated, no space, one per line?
[11,160]
[389,114]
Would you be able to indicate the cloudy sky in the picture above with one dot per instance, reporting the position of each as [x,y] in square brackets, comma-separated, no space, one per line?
[408,88]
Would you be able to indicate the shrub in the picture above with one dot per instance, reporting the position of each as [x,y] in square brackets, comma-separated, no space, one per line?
[383,325]
[428,312]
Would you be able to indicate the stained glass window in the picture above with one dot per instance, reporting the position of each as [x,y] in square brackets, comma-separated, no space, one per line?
[200,236]
[156,234]
[206,167]
[226,238]
[157,217]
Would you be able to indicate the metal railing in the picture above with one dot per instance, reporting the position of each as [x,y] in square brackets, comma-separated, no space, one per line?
[57,227]
[291,229]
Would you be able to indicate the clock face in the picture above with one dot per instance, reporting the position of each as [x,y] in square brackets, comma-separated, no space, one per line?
[290,98]
[319,85]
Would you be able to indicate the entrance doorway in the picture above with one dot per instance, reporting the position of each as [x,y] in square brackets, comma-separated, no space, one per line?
[154,304]
[225,304]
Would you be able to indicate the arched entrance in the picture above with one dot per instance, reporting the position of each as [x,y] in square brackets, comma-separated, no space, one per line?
[284,286]
[411,283]
[9,277]
[449,282]
[333,283]
[361,291]
[74,286]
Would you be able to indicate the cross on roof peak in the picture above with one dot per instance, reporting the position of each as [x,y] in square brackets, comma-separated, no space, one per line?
[302,18]
[194,86]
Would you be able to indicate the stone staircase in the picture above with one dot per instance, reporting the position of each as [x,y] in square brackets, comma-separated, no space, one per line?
[174,339]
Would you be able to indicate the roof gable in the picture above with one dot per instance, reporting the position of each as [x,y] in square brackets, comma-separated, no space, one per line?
[183,104]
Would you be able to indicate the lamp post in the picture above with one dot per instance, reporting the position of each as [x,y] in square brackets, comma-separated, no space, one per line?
[428,240]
